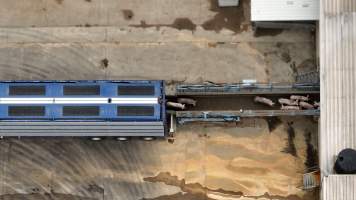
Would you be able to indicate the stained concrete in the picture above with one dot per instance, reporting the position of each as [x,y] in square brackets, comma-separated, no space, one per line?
[243,161]
[137,53]
[178,41]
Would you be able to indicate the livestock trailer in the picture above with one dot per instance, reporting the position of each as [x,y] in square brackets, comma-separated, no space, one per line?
[82,108]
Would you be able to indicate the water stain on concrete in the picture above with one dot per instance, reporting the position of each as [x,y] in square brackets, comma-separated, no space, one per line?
[184,24]
[179,23]
[231,18]
[104,63]
[259,32]
[273,123]
[290,146]
[193,188]
[294,68]
[312,153]
[195,191]
[128,14]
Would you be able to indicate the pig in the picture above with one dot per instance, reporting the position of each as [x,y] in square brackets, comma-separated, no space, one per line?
[290,108]
[187,101]
[176,105]
[299,98]
[316,104]
[264,100]
[288,102]
[306,105]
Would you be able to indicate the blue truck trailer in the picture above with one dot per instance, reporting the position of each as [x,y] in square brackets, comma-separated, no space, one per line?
[82,108]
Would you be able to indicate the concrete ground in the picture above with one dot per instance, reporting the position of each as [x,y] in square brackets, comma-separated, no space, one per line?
[255,159]
[180,41]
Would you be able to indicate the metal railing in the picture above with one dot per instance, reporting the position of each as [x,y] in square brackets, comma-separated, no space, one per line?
[243,88]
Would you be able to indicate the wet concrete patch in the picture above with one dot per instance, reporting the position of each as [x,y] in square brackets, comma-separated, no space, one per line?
[104,63]
[294,68]
[290,146]
[128,14]
[259,32]
[179,23]
[273,123]
[232,18]
[184,24]
[312,153]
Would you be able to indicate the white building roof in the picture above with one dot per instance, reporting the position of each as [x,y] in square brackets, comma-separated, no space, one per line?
[284,10]
[339,187]
[338,94]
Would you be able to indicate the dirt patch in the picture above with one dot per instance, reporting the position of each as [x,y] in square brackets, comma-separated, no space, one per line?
[184,24]
[290,147]
[259,32]
[212,44]
[59,1]
[95,188]
[233,18]
[192,188]
[128,14]
[286,57]
[312,153]
[285,53]
[143,24]
[307,65]
[273,123]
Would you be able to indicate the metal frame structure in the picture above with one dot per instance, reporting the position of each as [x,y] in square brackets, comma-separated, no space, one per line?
[247,88]
[234,116]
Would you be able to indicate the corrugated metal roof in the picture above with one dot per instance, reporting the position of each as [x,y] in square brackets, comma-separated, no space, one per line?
[339,187]
[338,84]
[338,93]
[284,10]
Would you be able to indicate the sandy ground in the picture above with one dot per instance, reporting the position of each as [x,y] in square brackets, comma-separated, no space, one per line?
[243,161]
